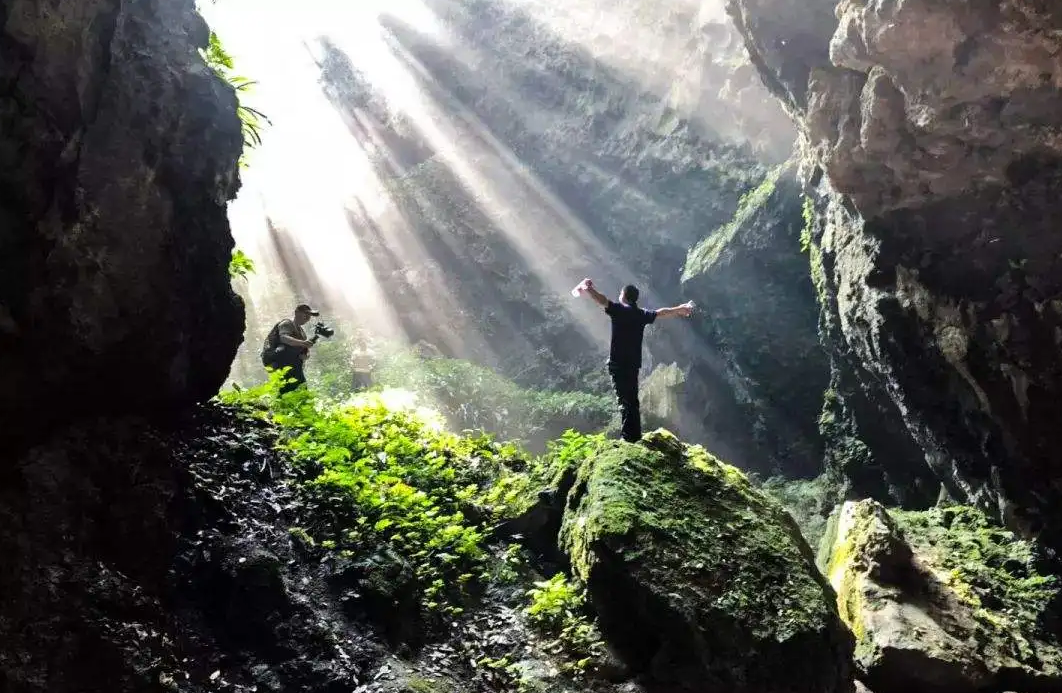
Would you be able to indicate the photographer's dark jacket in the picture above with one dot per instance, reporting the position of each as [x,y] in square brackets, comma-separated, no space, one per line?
[276,353]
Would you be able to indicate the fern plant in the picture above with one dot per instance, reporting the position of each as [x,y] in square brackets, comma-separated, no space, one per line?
[252,121]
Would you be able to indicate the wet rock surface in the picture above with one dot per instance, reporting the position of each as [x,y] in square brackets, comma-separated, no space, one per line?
[118,151]
[146,558]
[932,146]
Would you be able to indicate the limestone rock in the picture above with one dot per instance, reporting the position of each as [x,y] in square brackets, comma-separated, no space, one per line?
[118,151]
[948,603]
[701,582]
[931,136]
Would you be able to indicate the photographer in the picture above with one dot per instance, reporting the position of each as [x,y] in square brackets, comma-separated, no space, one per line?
[287,347]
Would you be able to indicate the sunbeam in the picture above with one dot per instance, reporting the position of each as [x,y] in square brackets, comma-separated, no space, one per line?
[424,183]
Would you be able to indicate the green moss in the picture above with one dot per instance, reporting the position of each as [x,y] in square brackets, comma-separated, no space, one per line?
[812,246]
[706,253]
[829,536]
[697,531]
[421,684]
[846,567]
[806,233]
[990,570]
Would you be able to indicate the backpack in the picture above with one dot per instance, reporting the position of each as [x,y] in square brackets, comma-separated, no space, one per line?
[271,348]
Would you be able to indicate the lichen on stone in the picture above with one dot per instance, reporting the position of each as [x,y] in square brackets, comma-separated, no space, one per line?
[997,575]
[943,599]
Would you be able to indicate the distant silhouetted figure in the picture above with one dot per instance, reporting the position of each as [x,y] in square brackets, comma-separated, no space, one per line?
[625,351]
[286,346]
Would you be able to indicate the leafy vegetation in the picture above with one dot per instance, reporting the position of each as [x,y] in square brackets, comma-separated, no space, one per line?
[252,121]
[389,489]
[808,501]
[558,609]
[476,398]
[240,265]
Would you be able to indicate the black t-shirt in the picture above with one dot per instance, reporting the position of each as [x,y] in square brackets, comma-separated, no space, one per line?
[628,326]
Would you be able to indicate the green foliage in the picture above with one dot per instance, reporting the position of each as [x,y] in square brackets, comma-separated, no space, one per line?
[383,482]
[809,224]
[808,501]
[989,568]
[511,495]
[476,398]
[240,265]
[558,609]
[252,121]
[706,253]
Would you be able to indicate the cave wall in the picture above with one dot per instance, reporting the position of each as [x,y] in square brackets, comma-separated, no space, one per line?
[118,151]
[930,134]
[759,370]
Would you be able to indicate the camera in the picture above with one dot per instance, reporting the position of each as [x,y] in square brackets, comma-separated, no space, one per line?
[322,330]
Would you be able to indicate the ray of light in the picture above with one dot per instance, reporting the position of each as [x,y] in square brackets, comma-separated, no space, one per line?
[325,169]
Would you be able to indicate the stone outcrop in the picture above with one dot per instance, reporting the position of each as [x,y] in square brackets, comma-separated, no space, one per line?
[700,581]
[931,134]
[118,151]
[943,600]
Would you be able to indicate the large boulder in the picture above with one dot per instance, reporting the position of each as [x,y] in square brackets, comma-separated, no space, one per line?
[118,150]
[701,582]
[943,601]
[931,135]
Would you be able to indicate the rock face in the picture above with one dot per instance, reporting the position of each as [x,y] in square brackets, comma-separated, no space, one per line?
[118,151]
[701,582]
[762,370]
[947,603]
[932,134]
[142,558]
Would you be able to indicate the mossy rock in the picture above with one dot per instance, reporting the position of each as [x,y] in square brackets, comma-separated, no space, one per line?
[941,600]
[700,581]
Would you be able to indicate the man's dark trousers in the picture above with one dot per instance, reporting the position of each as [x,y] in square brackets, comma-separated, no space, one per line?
[295,376]
[625,381]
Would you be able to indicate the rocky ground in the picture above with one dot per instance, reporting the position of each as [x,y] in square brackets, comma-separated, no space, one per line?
[150,558]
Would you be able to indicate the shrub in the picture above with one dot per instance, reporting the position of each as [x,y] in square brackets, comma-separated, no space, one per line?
[473,397]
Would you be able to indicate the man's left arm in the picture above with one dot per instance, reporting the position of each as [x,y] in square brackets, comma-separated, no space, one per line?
[683,311]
